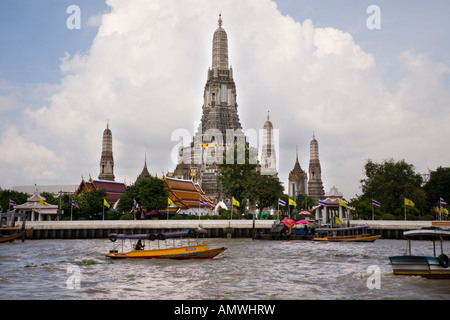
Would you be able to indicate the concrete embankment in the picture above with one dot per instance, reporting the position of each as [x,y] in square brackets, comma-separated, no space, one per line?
[216,228]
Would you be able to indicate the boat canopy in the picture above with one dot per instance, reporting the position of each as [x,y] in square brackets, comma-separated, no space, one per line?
[364,226]
[182,233]
[433,233]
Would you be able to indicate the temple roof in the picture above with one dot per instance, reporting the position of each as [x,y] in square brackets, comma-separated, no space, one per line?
[186,194]
[113,189]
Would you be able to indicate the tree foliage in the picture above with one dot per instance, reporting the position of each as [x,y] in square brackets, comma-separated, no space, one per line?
[390,182]
[243,181]
[149,193]
[438,187]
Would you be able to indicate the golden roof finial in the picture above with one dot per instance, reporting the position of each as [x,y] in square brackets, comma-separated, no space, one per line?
[220,19]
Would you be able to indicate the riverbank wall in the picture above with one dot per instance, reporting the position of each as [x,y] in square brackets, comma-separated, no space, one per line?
[215,228]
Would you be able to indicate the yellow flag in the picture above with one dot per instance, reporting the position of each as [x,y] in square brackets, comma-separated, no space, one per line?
[292,202]
[235,202]
[409,203]
[342,203]
[337,220]
[105,203]
[43,203]
[170,202]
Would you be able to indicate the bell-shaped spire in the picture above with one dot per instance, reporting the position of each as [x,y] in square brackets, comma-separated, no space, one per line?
[220,48]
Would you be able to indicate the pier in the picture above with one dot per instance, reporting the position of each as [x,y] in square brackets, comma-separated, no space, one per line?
[215,228]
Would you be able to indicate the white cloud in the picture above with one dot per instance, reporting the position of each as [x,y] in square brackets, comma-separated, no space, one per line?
[146,72]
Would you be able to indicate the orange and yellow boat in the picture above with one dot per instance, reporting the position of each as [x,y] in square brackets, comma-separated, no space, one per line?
[138,243]
[15,233]
[351,234]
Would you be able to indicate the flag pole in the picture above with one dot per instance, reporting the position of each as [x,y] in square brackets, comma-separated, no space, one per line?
[405,209]
[231,216]
[372,211]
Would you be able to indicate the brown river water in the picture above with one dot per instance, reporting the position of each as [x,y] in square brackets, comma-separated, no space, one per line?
[247,270]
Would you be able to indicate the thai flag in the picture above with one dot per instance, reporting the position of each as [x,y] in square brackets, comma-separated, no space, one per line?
[136,205]
[322,203]
[203,202]
[281,202]
[12,203]
[74,204]
[443,202]
[376,203]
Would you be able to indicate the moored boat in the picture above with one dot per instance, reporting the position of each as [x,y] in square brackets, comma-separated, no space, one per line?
[431,267]
[9,232]
[15,233]
[138,243]
[350,234]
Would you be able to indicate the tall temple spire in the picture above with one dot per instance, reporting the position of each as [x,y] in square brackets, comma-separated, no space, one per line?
[268,155]
[219,128]
[315,185]
[107,159]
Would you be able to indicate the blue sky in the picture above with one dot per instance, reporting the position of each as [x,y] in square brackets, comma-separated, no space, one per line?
[45,68]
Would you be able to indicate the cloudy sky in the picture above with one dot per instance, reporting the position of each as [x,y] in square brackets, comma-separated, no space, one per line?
[142,65]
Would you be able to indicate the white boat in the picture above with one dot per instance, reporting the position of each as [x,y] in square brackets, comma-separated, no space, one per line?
[432,267]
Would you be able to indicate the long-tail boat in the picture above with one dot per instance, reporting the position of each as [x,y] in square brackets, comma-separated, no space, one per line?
[15,233]
[431,267]
[138,243]
[351,234]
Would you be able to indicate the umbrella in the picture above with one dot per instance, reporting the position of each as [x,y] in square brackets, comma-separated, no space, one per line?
[304,213]
[302,222]
[288,222]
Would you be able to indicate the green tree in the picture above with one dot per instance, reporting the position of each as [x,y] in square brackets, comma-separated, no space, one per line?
[6,195]
[390,182]
[235,177]
[438,187]
[151,194]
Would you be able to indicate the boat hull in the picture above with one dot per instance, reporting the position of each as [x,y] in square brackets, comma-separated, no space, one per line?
[189,252]
[19,235]
[427,267]
[358,238]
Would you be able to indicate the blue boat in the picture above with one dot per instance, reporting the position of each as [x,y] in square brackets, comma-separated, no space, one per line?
[431,267]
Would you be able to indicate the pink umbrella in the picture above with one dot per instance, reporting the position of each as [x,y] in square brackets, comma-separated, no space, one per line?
[304,213]
[302,222]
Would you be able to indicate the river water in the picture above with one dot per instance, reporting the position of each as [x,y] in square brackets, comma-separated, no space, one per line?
[247,270]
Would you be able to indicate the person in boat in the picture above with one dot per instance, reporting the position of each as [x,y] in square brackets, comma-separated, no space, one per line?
[139,245]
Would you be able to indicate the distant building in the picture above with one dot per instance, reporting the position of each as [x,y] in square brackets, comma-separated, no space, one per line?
[107,159]
[56,190]
[36,209]
[268,154]
[188,197]
[315,185]
[198,161]
[298,180]
[113,189]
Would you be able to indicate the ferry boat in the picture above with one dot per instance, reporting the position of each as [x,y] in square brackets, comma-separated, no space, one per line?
[431,267]
[350,234]
[138,244]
